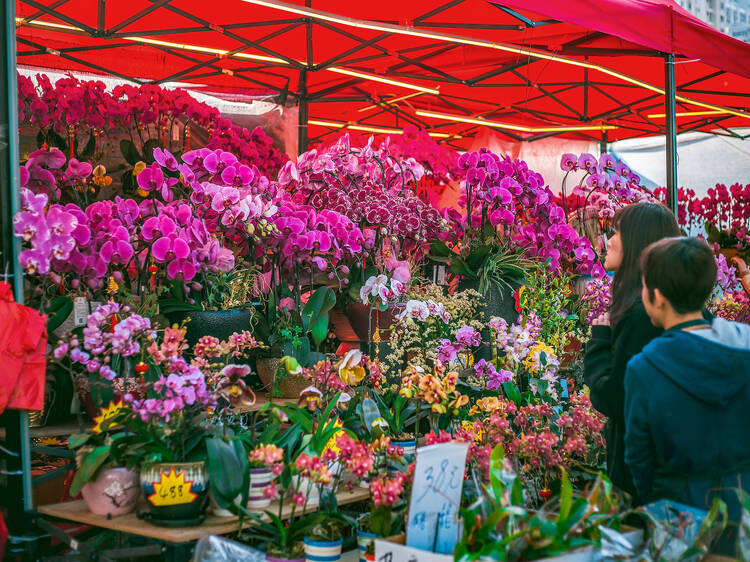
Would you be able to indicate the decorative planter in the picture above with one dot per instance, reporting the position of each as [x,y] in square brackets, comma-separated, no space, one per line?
[322,551]
[364,540]
[176,493]
[499,301]
[218,323]
[410,453]
[259,479]
[114,492]
[290,387]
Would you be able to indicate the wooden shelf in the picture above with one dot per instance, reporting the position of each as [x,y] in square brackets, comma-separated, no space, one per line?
[60,430]
[213,525]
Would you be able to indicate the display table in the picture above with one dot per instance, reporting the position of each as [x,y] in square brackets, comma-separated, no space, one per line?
[177,541]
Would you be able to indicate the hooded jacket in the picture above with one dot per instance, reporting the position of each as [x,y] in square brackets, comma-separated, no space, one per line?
[687,416]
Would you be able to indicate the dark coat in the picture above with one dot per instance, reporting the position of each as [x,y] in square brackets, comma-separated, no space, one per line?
[607,355]
[687,414]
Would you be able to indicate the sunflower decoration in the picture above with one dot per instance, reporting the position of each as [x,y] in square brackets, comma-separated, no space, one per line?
[105,415]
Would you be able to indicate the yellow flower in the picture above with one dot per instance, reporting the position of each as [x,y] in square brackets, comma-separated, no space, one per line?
[438,408]
[100,176]
[533,361]
[350,370]
[138,168]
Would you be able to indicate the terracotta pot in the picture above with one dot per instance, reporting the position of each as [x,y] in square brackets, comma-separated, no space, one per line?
[114,492]
[176,493]
[290,387]
[365,321]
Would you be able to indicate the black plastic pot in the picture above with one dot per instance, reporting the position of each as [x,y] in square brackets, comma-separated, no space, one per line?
[498,301]
[218,323]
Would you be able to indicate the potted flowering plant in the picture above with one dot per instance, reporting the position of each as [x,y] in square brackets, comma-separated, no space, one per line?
[370,463]
[107,487]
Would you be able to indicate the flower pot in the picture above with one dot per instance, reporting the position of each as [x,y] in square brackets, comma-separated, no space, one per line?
[364,540]
[290,387]
[218,323]
[176,493]
[114,492]
[275,559]
[259,479]
[220,511]
[498,301]
[322,551]
[365,321]
[410,453]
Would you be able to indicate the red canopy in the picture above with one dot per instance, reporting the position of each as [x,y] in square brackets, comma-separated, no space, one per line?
[536,73]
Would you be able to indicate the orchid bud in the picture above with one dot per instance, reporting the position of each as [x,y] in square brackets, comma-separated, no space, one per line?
[117,275]
[196,286]
[75,283]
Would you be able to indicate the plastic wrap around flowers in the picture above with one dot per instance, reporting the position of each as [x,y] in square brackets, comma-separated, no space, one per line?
[502,192]
[368,186]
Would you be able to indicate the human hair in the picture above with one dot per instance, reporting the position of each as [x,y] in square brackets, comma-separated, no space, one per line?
[639,225]
[684,271]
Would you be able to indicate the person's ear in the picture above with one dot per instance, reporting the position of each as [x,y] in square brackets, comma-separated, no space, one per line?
[659,301]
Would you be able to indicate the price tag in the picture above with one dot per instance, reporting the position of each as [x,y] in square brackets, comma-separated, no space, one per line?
[93,306]
[436,497]
[175,132]
[389,551]
[80,311]
[440,275]
[172,489]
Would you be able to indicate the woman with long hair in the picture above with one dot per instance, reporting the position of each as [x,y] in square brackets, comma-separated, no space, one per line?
[618,336]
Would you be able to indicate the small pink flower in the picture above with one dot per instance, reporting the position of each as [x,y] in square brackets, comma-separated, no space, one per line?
[270,491]
[299,499]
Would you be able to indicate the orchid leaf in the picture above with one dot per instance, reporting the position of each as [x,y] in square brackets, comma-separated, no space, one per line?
[57,311]
[90,464]
[129,152]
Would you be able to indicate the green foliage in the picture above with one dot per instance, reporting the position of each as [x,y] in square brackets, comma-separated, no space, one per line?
[498,526]
[228,470]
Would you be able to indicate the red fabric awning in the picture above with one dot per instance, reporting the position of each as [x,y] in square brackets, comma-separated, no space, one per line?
[141,39]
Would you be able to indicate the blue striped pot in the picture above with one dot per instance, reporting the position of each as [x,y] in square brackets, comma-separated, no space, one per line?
[322,551]
[259,479]
[364,540]
[410,453]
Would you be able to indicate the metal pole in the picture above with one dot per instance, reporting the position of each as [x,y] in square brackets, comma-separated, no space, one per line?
[671,133]
[303,115]
[18,493]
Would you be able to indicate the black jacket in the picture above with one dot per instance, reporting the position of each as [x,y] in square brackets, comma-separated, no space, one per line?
[687,413]
[607,355]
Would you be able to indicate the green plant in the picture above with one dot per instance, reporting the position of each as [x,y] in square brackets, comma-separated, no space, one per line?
[228,470]
[398,412]
[498,526]
[94,452]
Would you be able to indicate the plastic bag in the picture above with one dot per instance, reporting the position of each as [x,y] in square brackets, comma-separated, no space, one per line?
[212,548]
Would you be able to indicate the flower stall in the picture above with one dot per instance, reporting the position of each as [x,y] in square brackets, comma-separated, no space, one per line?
[254,347]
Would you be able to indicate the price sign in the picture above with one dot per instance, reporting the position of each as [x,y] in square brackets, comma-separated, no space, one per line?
[436,497]
[172,489]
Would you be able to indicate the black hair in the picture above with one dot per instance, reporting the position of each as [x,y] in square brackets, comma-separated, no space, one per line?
[684,271]
[639,225]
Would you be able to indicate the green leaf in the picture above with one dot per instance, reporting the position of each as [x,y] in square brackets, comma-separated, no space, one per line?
[90,464]
[88,150]
[226,469]
[129,152]
[496,470]
[78,439]
[566,497]
[148,149]
[57,311]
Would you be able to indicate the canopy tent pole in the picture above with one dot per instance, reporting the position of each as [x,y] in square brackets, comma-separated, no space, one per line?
[303,113]
[18,498]
[671,132]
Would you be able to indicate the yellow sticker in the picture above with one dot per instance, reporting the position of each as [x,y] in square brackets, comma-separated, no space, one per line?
[172,489]
[105,414]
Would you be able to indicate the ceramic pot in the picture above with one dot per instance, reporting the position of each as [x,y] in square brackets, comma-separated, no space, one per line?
[114,492]
[410,453]
[290,387]
[364,540]
[176,493]
[322,551]
[364,321]
[259,479]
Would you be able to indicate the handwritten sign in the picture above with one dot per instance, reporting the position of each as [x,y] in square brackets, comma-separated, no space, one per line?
[172,489]
[436,497]
[387,551]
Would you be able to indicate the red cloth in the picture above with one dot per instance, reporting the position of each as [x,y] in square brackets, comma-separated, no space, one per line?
[23,347]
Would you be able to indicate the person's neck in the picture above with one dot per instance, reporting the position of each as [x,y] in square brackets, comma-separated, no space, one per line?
[673,318]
